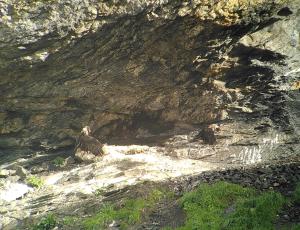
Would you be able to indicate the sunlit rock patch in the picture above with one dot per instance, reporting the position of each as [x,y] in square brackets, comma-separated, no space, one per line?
[121,166]
[128,165]
[12,191]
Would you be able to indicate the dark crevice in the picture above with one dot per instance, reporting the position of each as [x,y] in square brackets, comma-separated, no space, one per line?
[285,12]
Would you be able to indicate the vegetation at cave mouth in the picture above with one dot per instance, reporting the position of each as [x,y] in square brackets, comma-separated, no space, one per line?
[221,205]
[229,206]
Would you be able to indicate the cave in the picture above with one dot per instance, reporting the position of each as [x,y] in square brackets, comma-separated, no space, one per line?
[198,85]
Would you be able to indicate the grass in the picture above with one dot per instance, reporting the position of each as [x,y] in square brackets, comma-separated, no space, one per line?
[218,206]
[58,161]
[35,181]
[257,212]
[129,213]
[46,223]
[296,227]
[70,220]
[230,206]
[296,195]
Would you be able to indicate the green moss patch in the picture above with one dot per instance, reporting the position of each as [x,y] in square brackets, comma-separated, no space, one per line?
[230,206]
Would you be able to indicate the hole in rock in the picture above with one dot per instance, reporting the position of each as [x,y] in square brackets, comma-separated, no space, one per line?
[285,12]
[142,129]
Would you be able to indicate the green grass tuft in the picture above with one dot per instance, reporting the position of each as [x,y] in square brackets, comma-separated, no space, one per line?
[46,223]
[128,214]
[256,212]
[131,212]
[106,215]
[58,161]
[230,206]
[35,181]
[296,195]
[70,220]
[295,227]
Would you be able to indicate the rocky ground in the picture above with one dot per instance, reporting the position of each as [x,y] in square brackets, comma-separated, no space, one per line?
[69,188]
[138,71]
[65,187]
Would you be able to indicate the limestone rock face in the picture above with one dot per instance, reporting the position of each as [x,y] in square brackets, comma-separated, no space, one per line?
[147,70]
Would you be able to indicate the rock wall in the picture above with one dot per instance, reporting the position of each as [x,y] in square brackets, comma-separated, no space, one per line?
[140,69]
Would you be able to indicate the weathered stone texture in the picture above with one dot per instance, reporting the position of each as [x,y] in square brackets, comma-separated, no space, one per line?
[145,68]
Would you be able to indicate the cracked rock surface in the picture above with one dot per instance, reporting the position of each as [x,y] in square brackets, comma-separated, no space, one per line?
[149,69]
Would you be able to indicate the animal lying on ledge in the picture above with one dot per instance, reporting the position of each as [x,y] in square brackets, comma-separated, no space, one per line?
[88,144]
[207,134]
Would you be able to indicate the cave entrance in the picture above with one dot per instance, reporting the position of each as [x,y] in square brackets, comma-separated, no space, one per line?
[141,129]
[144,128]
